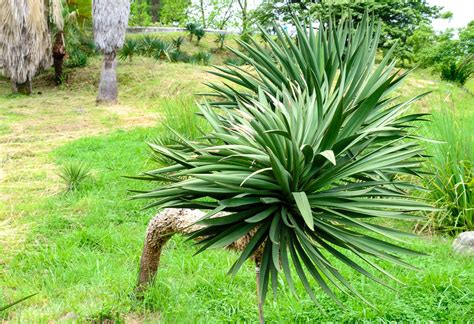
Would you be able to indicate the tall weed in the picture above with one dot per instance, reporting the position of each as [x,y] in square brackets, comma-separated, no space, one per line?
[451,183]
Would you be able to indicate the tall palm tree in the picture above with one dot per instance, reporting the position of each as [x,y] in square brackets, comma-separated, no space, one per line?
[110,23]
[25,41]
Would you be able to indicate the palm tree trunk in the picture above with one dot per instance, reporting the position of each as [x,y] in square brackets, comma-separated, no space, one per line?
[59,51]
[22,88]
[155,10]
[261,318]
[108,80]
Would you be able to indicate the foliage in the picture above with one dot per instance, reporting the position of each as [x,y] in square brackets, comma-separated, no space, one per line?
[458,71]
[78,37]
[201,57]
[191,28]
[90,242]
[399,18]
[234,60]
[218,14]
[451,183]
[74,174]
[139,13]
[162,50]
[199,33]
[178,56]
[129,50]
[76,58]
[177,42]
[313,152]
[174,11]
[220,40]
[452,58]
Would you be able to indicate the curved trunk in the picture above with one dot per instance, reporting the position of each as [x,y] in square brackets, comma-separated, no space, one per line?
[22,88]
[108,80]
[59,51]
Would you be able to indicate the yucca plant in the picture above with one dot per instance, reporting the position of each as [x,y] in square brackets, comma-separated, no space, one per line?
[191,28]
[177,42]
[129,50]
[312,152]
[220,40]
[74,174]
[199,33]
[147,44]
[162,50]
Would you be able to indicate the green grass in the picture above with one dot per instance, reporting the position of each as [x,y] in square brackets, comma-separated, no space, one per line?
[80,251]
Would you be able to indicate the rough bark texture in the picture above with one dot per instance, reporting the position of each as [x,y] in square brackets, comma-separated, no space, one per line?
[155,10]
[59,51]
[162,227]
[108,80]
[22,88]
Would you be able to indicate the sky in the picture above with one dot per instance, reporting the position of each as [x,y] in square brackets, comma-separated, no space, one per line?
[463,12]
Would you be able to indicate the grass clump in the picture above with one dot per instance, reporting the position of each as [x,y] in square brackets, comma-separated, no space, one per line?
[74,174]
[451,183]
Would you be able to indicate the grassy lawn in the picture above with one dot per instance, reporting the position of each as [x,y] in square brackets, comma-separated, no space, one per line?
[80,251]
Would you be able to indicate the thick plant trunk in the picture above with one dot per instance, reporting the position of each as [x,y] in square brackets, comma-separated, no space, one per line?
[155,10]
[162,227]
[108,80]
[59,51]
[22,88]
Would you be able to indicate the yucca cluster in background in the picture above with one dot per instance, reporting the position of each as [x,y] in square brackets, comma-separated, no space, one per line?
[152,46]
[306,150]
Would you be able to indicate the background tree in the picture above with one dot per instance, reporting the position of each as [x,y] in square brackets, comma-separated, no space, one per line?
[25,40]
[174,11]
[110,23]
[399,18]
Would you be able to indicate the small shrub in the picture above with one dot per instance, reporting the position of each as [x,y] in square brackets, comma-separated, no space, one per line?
[202,58]
[77,58]
[191,28]
[178,56]
[199,33]
[162,50]
[147,45]
[177,42]
[74,174]
[458,72]
[139,13]
[220,40]
[129,50]
[234,61]
[451,184]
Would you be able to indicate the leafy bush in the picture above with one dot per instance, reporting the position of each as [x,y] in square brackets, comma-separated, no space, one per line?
[458,72]
[191,28]
[77,58]
[199,33]
[74,174]
[203,58]
[451,184]
[220,40]
[139,13]
[174,11]
[313,153]
[129,50]
[177,42]
[178,56]
[162,50]
[234,60]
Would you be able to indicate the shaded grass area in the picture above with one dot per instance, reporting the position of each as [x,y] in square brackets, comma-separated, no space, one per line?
[80,251]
